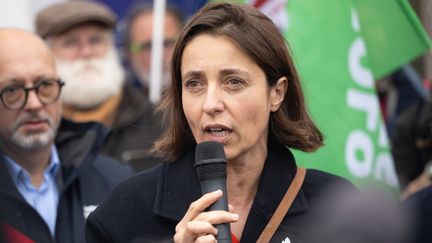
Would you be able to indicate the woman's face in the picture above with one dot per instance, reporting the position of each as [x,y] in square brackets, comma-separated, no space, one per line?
[225,96]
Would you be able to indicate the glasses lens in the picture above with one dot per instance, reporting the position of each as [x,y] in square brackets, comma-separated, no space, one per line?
[48,91]
[13,96]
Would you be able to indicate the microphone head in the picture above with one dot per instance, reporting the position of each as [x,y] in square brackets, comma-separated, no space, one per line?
[210,160]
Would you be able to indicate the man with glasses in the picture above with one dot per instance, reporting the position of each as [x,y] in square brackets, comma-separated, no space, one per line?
[79,34]
[138,38]
[51,173]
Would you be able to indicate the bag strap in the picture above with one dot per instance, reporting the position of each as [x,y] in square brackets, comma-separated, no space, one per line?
[283,207]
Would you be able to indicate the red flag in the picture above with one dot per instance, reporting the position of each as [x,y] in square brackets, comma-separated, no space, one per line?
[11,235]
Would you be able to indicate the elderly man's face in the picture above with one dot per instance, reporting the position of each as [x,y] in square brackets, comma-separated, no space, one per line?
[83,41]
[32,125]
[87,61]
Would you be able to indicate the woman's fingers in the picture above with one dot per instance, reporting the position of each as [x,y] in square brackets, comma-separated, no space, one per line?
[202,225]
[217,217]
[206,239]
[200,205]
[195,230]
[201,228]
[198,225]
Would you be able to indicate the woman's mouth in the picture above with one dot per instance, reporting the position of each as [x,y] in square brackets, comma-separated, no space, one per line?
[217,131]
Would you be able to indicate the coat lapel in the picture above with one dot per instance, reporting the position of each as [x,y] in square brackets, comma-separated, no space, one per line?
[178,188]
[6,183]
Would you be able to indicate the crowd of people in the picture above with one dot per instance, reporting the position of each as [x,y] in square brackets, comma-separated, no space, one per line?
[86,157]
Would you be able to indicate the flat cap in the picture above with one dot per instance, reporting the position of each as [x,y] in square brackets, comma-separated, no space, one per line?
[59,17]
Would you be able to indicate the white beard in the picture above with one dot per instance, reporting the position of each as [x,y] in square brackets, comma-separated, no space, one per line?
[34,140]
[90,82]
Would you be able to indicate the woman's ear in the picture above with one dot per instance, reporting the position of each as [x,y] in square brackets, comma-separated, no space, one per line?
[277,93]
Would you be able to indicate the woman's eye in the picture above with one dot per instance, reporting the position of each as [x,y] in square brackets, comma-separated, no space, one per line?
[236,83]
[192,84]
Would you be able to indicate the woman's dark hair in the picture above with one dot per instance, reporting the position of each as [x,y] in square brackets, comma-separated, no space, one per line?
[257,36]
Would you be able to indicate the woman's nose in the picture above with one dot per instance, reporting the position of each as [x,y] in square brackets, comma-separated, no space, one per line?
[213,103]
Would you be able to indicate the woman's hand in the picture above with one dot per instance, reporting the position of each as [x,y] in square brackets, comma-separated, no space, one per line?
[197,225]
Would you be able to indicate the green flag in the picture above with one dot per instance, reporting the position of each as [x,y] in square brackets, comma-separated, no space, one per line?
[340,48]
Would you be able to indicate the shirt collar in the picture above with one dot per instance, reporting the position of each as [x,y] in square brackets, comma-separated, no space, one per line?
[16,170]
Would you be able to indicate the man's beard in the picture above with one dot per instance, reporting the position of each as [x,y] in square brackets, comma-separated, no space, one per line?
[34,140]
[90,82]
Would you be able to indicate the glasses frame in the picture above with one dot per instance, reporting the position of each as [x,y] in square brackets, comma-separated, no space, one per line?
[36,87]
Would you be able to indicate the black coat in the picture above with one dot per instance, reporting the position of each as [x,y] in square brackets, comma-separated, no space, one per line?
[412,142]
[86,179]
[134,130]
[421,205]
[147,207]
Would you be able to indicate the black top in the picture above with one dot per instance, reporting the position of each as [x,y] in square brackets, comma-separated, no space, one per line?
[412,142]
[421,205]
[147,207]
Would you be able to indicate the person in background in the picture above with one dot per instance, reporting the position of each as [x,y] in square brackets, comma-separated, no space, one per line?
[79,34]
[412,148]
[360,218]
[138,39]
[233,81]
[397,92]
[51,172]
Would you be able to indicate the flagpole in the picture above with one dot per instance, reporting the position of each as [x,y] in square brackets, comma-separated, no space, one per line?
[155,81]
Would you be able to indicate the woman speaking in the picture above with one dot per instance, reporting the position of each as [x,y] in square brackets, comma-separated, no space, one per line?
[233,81]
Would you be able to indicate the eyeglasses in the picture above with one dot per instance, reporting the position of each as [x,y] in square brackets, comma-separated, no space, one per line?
[14,97]
[145,47]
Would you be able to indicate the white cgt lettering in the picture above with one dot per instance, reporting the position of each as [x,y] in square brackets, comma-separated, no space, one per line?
[367,103]
[358,142]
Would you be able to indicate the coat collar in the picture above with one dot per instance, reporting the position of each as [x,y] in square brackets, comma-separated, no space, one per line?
[6,183]
[179,186]
[75,143]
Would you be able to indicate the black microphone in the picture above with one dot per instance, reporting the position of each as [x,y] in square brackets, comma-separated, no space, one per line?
[210,165]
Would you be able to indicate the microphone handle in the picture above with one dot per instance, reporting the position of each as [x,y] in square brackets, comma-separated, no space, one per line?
[210,185]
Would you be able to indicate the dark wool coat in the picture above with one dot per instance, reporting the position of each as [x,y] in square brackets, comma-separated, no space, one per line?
[412,142]
[147,207]
[421,205]
[134,130]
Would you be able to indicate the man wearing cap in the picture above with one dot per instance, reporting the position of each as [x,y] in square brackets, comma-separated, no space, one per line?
[80,36]
[51,172]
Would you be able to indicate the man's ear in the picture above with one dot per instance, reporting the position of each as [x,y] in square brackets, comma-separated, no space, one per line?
[277,93]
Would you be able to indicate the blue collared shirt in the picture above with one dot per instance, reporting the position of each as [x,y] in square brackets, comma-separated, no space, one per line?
[45,198]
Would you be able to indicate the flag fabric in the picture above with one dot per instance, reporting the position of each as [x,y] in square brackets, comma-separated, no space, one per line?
[12,235]
[340,48]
